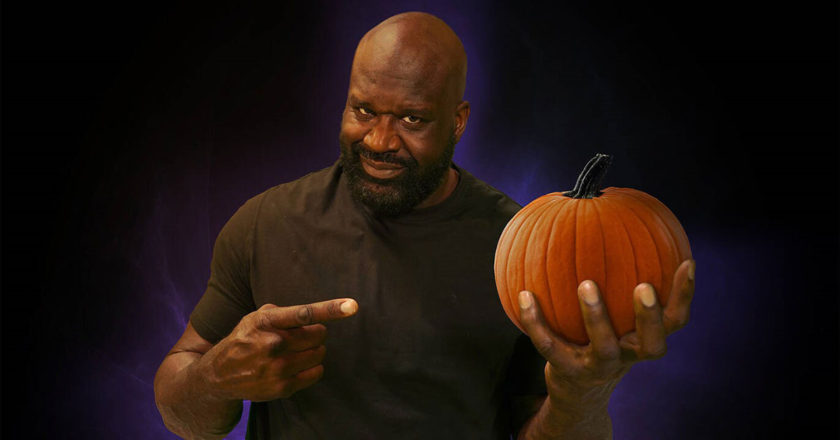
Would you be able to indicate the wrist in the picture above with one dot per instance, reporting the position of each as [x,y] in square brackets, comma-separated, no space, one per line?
[569,416]
[191,406]
[577,399]
[203,377]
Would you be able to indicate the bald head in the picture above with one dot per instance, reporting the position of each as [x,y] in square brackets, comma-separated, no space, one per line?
[415,45]
[404,114]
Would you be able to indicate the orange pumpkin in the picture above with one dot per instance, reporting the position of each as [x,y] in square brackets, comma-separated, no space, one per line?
[618,237]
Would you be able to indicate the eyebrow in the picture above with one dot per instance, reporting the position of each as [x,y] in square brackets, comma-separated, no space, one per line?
[409,110]
[356,102]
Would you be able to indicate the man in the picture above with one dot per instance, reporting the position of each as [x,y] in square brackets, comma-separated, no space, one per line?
[423,349]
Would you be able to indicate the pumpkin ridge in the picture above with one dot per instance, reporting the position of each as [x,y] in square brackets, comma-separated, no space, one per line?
[534,218]
[563,207]
[619,295]
[604,291]
[670,220]
[647,227]
[503,249]
[574,244]
[526,229]
[549,213]
[580,220]
[667,218]
[520,222]
[603,240]
[663,212]
[620,218]
[590,265]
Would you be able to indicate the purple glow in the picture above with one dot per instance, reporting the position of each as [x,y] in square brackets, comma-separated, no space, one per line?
[262,106]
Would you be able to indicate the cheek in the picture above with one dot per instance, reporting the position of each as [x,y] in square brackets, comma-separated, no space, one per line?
[350,131]
[426,147]
[422,152]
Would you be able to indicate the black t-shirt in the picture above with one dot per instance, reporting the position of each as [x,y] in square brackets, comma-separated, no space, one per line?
[430,353]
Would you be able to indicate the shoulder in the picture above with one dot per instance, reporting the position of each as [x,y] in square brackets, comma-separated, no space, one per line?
[289,199]
[304,195]
[316,184]
[485,200]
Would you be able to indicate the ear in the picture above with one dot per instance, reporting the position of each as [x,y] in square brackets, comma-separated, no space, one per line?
[462,113]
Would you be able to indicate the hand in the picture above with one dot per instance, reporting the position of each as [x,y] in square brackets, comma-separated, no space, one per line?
[273,352]
[580,375]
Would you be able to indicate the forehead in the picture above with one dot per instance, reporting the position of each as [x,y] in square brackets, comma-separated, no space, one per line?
[378,84]
[405,75]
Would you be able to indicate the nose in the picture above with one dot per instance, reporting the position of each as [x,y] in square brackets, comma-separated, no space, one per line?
[382,137]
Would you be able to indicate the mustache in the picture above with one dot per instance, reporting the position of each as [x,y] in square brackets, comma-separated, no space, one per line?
[360,149]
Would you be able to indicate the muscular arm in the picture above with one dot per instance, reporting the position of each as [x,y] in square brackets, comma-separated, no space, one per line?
[560,420]
[271,354]
[185,399]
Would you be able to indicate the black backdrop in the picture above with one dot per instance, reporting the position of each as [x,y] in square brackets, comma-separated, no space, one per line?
[131,132]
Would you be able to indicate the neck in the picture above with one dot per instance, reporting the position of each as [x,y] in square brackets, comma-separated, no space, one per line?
[450,181]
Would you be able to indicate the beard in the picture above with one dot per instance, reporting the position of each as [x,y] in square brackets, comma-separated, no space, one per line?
[397,195]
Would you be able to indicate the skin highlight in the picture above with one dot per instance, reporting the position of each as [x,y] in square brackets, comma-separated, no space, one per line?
[404,114]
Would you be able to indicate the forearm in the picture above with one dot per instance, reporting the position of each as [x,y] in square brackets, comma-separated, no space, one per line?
[187,403]
[570,418]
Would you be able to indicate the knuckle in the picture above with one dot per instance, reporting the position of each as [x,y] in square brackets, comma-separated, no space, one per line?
[544,346]
[607,352]
[281,367]
[334,309]
[650,317]
[304,314]
[261,320]
[655,352]
[275,345]
[678,322]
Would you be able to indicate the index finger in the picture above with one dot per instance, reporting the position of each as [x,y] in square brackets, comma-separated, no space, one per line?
[306,314]
[561,354]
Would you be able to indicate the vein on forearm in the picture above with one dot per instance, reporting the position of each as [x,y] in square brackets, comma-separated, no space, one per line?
[561,421]
[185,404]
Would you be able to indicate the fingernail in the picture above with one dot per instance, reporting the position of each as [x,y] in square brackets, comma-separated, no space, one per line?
[590,297]
[691,268]
[647,296]
[525,300]
[349,307]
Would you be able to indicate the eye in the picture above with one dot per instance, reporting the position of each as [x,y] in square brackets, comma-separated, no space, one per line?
[364,112]
[411,119]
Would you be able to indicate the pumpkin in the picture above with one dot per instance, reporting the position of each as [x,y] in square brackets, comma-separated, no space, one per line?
[617,237]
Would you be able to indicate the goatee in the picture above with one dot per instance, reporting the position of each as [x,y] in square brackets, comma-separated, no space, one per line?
[398,195]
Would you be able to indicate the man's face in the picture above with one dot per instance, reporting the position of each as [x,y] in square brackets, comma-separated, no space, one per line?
[398,134]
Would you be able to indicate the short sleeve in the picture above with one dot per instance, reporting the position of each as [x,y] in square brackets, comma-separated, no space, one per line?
[228,296]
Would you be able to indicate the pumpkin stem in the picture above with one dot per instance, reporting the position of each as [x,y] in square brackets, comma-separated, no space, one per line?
[589,181]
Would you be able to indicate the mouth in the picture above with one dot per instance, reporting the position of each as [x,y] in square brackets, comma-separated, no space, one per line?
[381,170]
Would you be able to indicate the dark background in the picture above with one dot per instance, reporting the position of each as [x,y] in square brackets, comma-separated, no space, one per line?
[131,132]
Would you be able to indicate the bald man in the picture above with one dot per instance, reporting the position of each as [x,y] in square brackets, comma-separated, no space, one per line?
[419,346]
